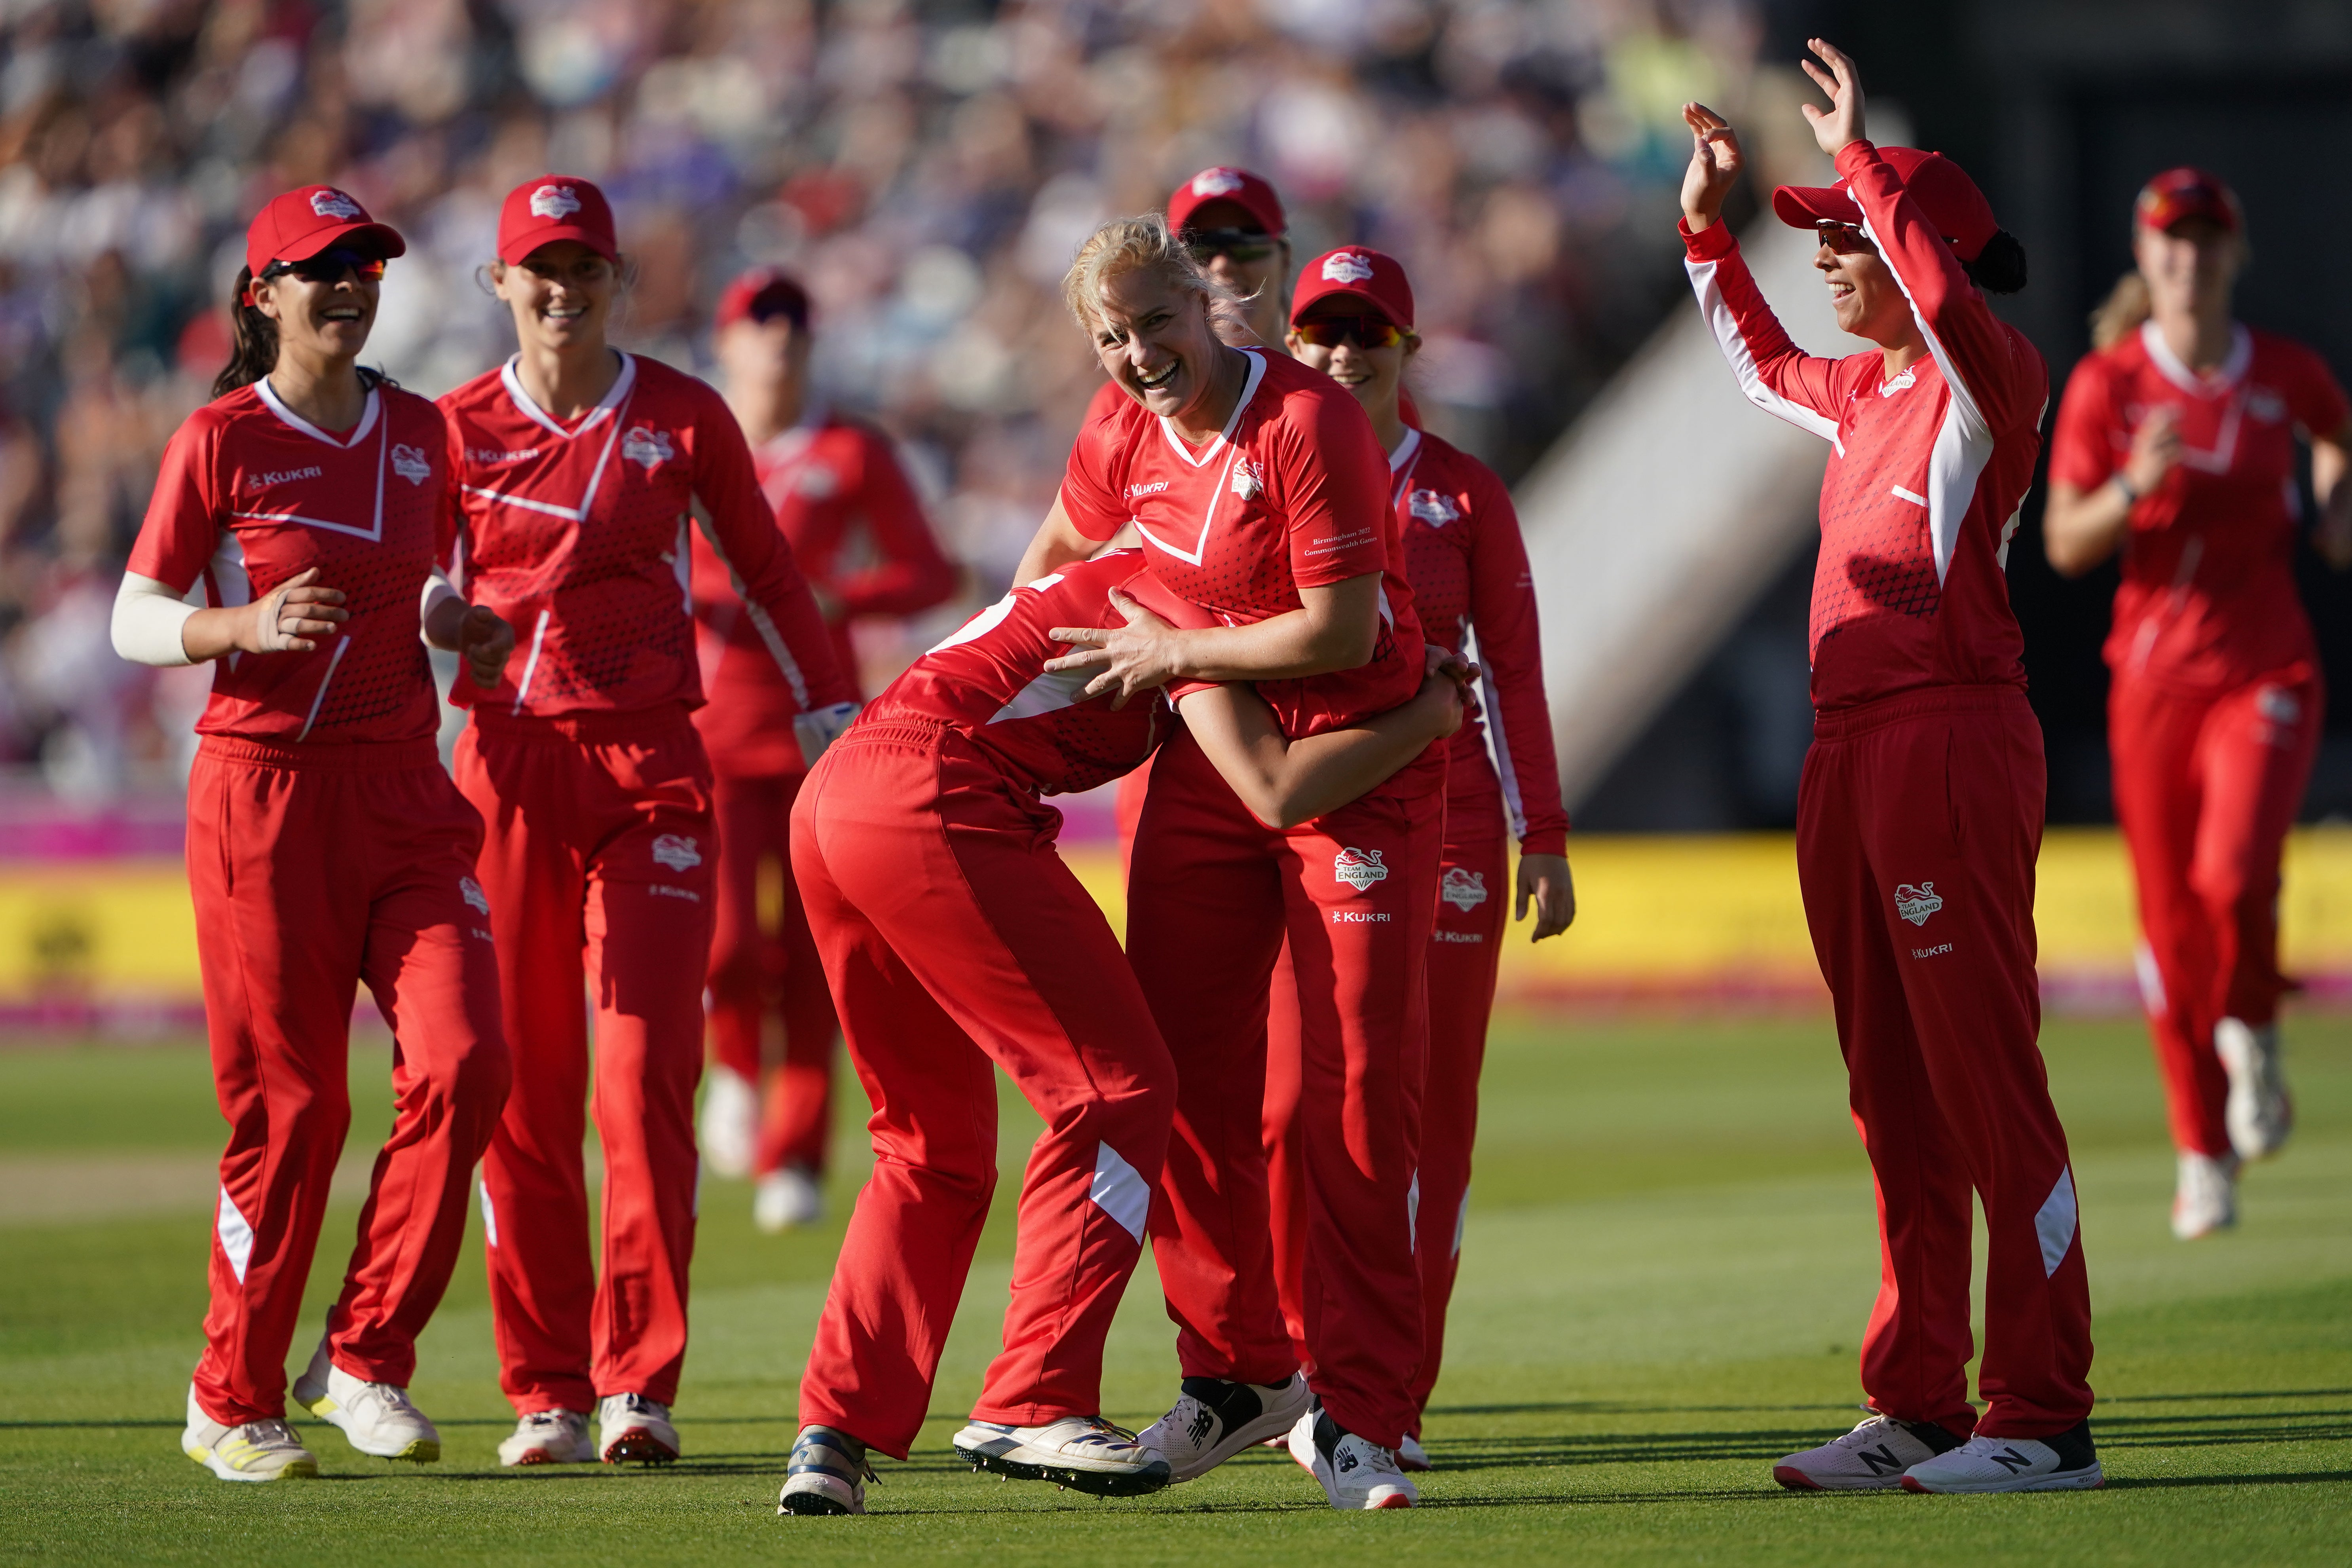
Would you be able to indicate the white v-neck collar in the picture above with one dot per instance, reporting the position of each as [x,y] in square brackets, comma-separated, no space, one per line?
[2232,369]
[1232,422]
[276,405]
[613,397]
[1407,450]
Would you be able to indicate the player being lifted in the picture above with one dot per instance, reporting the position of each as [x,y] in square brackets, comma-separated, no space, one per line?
[583,472]
[2175,445]
[1920,811]
[953,937]
[326,845]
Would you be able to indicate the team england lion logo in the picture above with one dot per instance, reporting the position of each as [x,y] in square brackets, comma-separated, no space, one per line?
[1247,484]
[331,203]
[1360,869]
[554,202]
[1346,267]
[676,851]
[650,447]
[1210,183]
[1465,891]
[1916,904]
[1434,508]
[471,891]
[410,464]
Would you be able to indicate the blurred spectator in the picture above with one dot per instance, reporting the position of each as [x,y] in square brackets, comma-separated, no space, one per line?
[926,168]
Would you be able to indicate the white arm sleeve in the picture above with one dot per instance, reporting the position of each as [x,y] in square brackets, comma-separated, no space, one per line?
[438,587]
[148,617]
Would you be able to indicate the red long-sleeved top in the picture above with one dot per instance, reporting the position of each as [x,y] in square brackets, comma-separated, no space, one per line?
[1927,470]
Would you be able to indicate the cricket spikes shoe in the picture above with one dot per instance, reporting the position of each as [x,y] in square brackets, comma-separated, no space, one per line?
[2258,1113]
[786,1199]
[728,1127]
[1411,1456]
[826,1475]
[2207,1198]
[378,1417]
[1085,1453]
[1213,1420]
[1356,1472]
[254,1451]
[549,1437]
[631,1428]
[2062,1462]
[1872,1458]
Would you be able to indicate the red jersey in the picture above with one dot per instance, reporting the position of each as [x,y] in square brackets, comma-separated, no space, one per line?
[1927,470]
[858,533]
[251,494]
[577,534]
[2208,599]
[1468,567]
[1293,493]
[989,680]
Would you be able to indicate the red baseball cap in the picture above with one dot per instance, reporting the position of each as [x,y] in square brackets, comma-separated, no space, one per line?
[1943,190]
[552,207]
[1360,273]
[1239,186]
[761,294]
[2185,192]
[299,225]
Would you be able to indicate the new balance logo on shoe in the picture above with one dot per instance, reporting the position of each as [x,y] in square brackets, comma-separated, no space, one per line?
[1199,1429]
[2010,1459]
[1882,1460]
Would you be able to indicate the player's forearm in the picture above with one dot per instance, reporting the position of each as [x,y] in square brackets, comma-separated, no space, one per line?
[1058,543]
[2081,529]
[1338,628]
[2330,460]
[1283,782]
[443,620]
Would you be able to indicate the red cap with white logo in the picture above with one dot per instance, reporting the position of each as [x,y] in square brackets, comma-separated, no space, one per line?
[552,207]
[299,225]
[1239,186]
[2179,193]
[1368,278]
[1942,189]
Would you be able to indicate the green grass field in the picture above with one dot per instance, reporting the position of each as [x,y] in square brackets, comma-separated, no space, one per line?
[1670,1258]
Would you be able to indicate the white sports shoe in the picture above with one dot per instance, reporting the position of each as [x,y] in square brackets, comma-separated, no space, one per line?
[826,1475]
[629,1427]
[2207,1198]
[1356,1472]
[378,1417]
[1085,1452]
[2061,1462]
[1871,1457]
[787,1198]
[255,1451]
[1213,1420]
[2259,1112]
[1411,1456]
[549,1437]
[729,1129]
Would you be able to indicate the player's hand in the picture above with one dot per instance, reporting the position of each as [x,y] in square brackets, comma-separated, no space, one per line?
[290,616]
[1544,881]
[2155,449]
[1440,665]
[1840,125]
[1141,655]
[1715,166]
[485,641]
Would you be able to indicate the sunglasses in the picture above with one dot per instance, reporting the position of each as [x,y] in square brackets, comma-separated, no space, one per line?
[1235,244]
[1365,332]
[1843,239]
[329,266]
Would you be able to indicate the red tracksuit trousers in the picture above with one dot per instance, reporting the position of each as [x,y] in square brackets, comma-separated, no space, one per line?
[761,966]
[1918,821]
[954,937]
[598,852]
[1213,894]
[1464,950]
[312,872]
[2206,787]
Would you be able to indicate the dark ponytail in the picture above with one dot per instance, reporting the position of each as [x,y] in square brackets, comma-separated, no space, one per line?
[2000,267]
[255,339]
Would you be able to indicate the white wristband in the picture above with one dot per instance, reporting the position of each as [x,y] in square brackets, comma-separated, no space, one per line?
[148,619]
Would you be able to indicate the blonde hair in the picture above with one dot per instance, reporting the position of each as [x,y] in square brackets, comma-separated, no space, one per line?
[2121,312]
[1127,245]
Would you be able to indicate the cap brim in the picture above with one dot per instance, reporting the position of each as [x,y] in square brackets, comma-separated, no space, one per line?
[532,239]
[1801,206]
[383,237]
[2165,213]
[1354,296]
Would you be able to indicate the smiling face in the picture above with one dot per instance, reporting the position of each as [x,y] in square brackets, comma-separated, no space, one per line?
[1373,374]
[2189,267]
[1154,338]
[327,319]
[1862,291]
[561,294]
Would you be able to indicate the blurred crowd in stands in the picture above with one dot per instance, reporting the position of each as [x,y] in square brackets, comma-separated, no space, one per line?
[927,167]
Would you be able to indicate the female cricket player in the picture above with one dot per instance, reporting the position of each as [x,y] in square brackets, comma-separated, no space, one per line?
[858,534]
[953,937]
[1353,319]
[583,472]
[1920,811]
[326,845]
[1261,496]
[2175,446]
